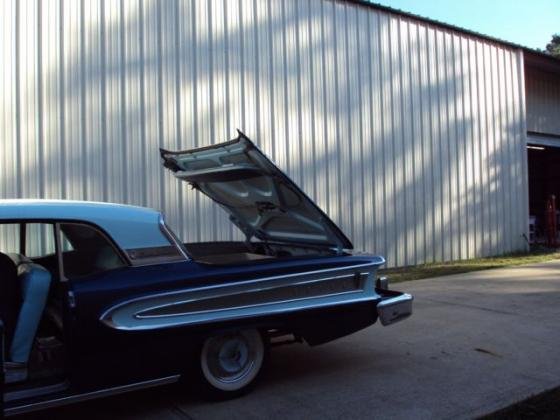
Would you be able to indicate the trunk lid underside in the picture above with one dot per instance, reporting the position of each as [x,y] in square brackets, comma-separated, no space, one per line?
[260,199]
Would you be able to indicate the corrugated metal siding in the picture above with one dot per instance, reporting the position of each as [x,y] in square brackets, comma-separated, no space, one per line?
[409,136]
[543,101]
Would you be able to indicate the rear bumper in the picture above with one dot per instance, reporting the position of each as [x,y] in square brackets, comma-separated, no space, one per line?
[394,308]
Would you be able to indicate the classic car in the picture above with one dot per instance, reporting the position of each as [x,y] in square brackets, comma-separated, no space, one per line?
[130,306]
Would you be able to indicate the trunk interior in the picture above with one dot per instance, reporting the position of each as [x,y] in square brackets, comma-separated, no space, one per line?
[226,253]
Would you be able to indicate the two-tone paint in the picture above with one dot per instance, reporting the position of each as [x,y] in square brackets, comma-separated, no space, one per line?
[144,322]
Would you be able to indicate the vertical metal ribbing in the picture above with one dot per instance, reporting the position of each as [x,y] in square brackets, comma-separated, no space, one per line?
[521,105]
[40,112]
[411,137]
[61,106]
[17,101]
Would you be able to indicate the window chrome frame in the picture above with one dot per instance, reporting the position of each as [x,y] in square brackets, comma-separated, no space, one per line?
[58,251]
[172,237]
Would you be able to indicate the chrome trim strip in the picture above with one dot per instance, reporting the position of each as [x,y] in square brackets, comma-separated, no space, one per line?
[270,311]
[128,315]
[240,283]
[35,392]
[257,305]
[57,402]
[58,251]
[257,289]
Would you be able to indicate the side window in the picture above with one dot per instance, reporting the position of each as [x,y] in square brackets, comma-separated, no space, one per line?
[86,251]
[9,238]
[66,245]
[39,240]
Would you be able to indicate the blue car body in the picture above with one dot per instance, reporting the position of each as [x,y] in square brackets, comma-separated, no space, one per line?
[141,322]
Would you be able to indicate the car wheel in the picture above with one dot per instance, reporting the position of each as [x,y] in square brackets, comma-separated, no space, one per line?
[231,362]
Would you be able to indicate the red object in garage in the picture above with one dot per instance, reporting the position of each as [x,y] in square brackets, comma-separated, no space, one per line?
[551,228]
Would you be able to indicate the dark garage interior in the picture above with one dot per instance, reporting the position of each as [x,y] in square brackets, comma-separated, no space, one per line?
[544,181]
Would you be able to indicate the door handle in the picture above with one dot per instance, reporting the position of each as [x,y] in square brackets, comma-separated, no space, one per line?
[71,299]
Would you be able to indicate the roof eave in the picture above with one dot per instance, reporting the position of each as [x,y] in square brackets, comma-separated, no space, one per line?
[454,28]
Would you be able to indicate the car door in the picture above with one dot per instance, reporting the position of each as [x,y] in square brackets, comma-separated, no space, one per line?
[41,244]
[91,268]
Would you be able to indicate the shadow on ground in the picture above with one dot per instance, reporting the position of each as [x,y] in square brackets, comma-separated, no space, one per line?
[288,364]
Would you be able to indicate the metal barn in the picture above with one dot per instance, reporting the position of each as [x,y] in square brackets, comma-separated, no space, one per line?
[411,134]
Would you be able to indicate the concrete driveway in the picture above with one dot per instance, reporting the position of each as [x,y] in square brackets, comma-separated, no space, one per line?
[476,343]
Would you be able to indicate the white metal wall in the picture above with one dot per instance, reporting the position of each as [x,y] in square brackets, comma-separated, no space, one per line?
[543,101]
[410,137]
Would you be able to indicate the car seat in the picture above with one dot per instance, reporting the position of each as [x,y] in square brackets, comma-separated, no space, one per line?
[34,281]
[10,297]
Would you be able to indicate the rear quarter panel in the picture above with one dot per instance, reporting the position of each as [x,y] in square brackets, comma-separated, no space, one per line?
[106,354]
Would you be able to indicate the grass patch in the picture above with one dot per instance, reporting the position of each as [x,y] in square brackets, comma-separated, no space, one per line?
[424,271]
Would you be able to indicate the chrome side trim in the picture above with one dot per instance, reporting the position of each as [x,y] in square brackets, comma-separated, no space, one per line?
[221,285]
[57,402]
[266,311]
[255,306]
[142,314]
[395,309]
[35,392]
[134,314]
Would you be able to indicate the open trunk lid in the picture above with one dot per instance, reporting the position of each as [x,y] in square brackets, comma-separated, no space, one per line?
[260,199]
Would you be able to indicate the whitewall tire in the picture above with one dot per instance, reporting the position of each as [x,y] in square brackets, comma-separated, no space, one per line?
[231,362]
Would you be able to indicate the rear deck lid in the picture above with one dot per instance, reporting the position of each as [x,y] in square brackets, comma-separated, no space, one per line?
[260,199]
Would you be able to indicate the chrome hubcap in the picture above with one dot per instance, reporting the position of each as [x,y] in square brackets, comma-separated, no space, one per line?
[231,361]
[230,358]
[233,355]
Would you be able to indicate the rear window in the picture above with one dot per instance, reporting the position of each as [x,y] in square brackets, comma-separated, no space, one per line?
[86,250]
[158,254]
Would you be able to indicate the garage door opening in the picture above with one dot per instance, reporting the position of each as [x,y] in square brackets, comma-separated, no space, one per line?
[544,182]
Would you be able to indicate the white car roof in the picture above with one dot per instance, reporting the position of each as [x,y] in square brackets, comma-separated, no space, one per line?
[130,227]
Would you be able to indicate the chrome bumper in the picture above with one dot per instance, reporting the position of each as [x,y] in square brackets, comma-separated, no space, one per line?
[395,309]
